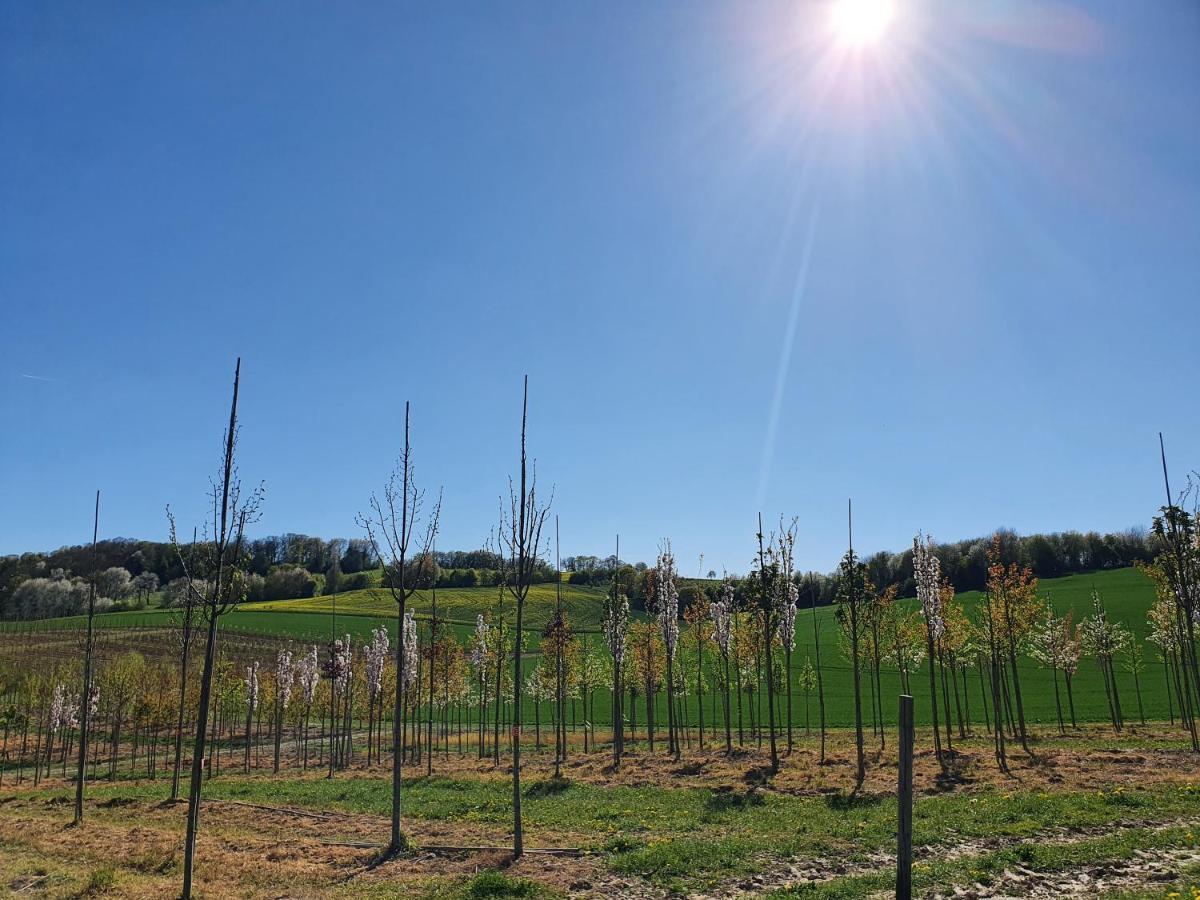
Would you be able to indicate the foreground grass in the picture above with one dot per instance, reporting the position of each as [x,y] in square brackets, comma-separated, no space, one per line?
[986,868]
[687,838]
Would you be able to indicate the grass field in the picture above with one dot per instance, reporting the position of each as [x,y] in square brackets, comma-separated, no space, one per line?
[1126,592]
[583,605]
[1081,819]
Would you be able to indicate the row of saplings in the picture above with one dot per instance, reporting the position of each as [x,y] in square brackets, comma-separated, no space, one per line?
[758,623]
[330,707]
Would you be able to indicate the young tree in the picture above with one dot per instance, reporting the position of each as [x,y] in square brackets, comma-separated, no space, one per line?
[1165,635]
[1012,590]
[251,705]
[86,691]
[695,615]
[877,606]
[376,653]
[1135,665]
[1176,539]
[648,665]
[851,576]
[816,624]
[616,630]
[1046,646]
[190,597]
[285,676]
[721,613]
[521,538]
[222,559]
[1105,640]
[308,674]
[480,650]
[666,597]
[927,571]
[391,526]
[807,680]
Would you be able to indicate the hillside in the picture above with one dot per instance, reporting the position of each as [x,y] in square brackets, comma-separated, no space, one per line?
[583,605]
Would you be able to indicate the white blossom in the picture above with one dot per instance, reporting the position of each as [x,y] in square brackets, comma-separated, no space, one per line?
[928,573]
[616,623]
[787,616]
[58,707]
[411,649]
[480,649]
[376,652]
[309,674]
[721,613]
[667,599]
[1102,638]
[285,674]
[252,686]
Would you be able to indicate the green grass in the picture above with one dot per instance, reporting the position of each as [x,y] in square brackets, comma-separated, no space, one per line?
[584,605]
[687,838]
[1126,592]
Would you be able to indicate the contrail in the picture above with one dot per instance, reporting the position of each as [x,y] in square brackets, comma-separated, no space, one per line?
[785,360]
[41,378]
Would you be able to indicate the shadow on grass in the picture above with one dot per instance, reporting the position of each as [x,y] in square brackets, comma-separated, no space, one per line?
[844,802]
[548,787]
[954,775]
[726,799]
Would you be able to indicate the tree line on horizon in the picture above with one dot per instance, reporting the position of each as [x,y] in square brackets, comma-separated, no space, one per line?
[295,566]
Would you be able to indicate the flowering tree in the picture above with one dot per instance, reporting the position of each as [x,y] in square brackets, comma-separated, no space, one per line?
[479,661]
[1176,536]
[1048,645]
[1105,639]
[928,574]
[1014,608]
[616,630]
[285,676]
[337,670]
[777,596]
[720,611]
[376,656]
[666,597]
[308,676]
[903,642]
[1176,575]
[1165,634]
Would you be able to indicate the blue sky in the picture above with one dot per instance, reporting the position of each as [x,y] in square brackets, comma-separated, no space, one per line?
[952,274]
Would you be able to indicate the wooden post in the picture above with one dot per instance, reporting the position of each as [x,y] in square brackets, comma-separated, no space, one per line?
[905,798]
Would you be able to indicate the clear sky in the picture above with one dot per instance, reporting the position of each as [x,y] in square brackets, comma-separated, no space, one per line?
[747,262]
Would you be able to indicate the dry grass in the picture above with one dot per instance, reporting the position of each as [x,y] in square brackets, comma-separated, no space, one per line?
[132,847]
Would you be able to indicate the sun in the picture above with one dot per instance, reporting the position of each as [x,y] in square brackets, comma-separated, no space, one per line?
[859,23]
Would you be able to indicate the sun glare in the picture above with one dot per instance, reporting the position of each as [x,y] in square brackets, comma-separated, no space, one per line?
[858,23]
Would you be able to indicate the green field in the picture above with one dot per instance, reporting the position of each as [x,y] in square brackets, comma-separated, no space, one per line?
[1126,592]
[584,606]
